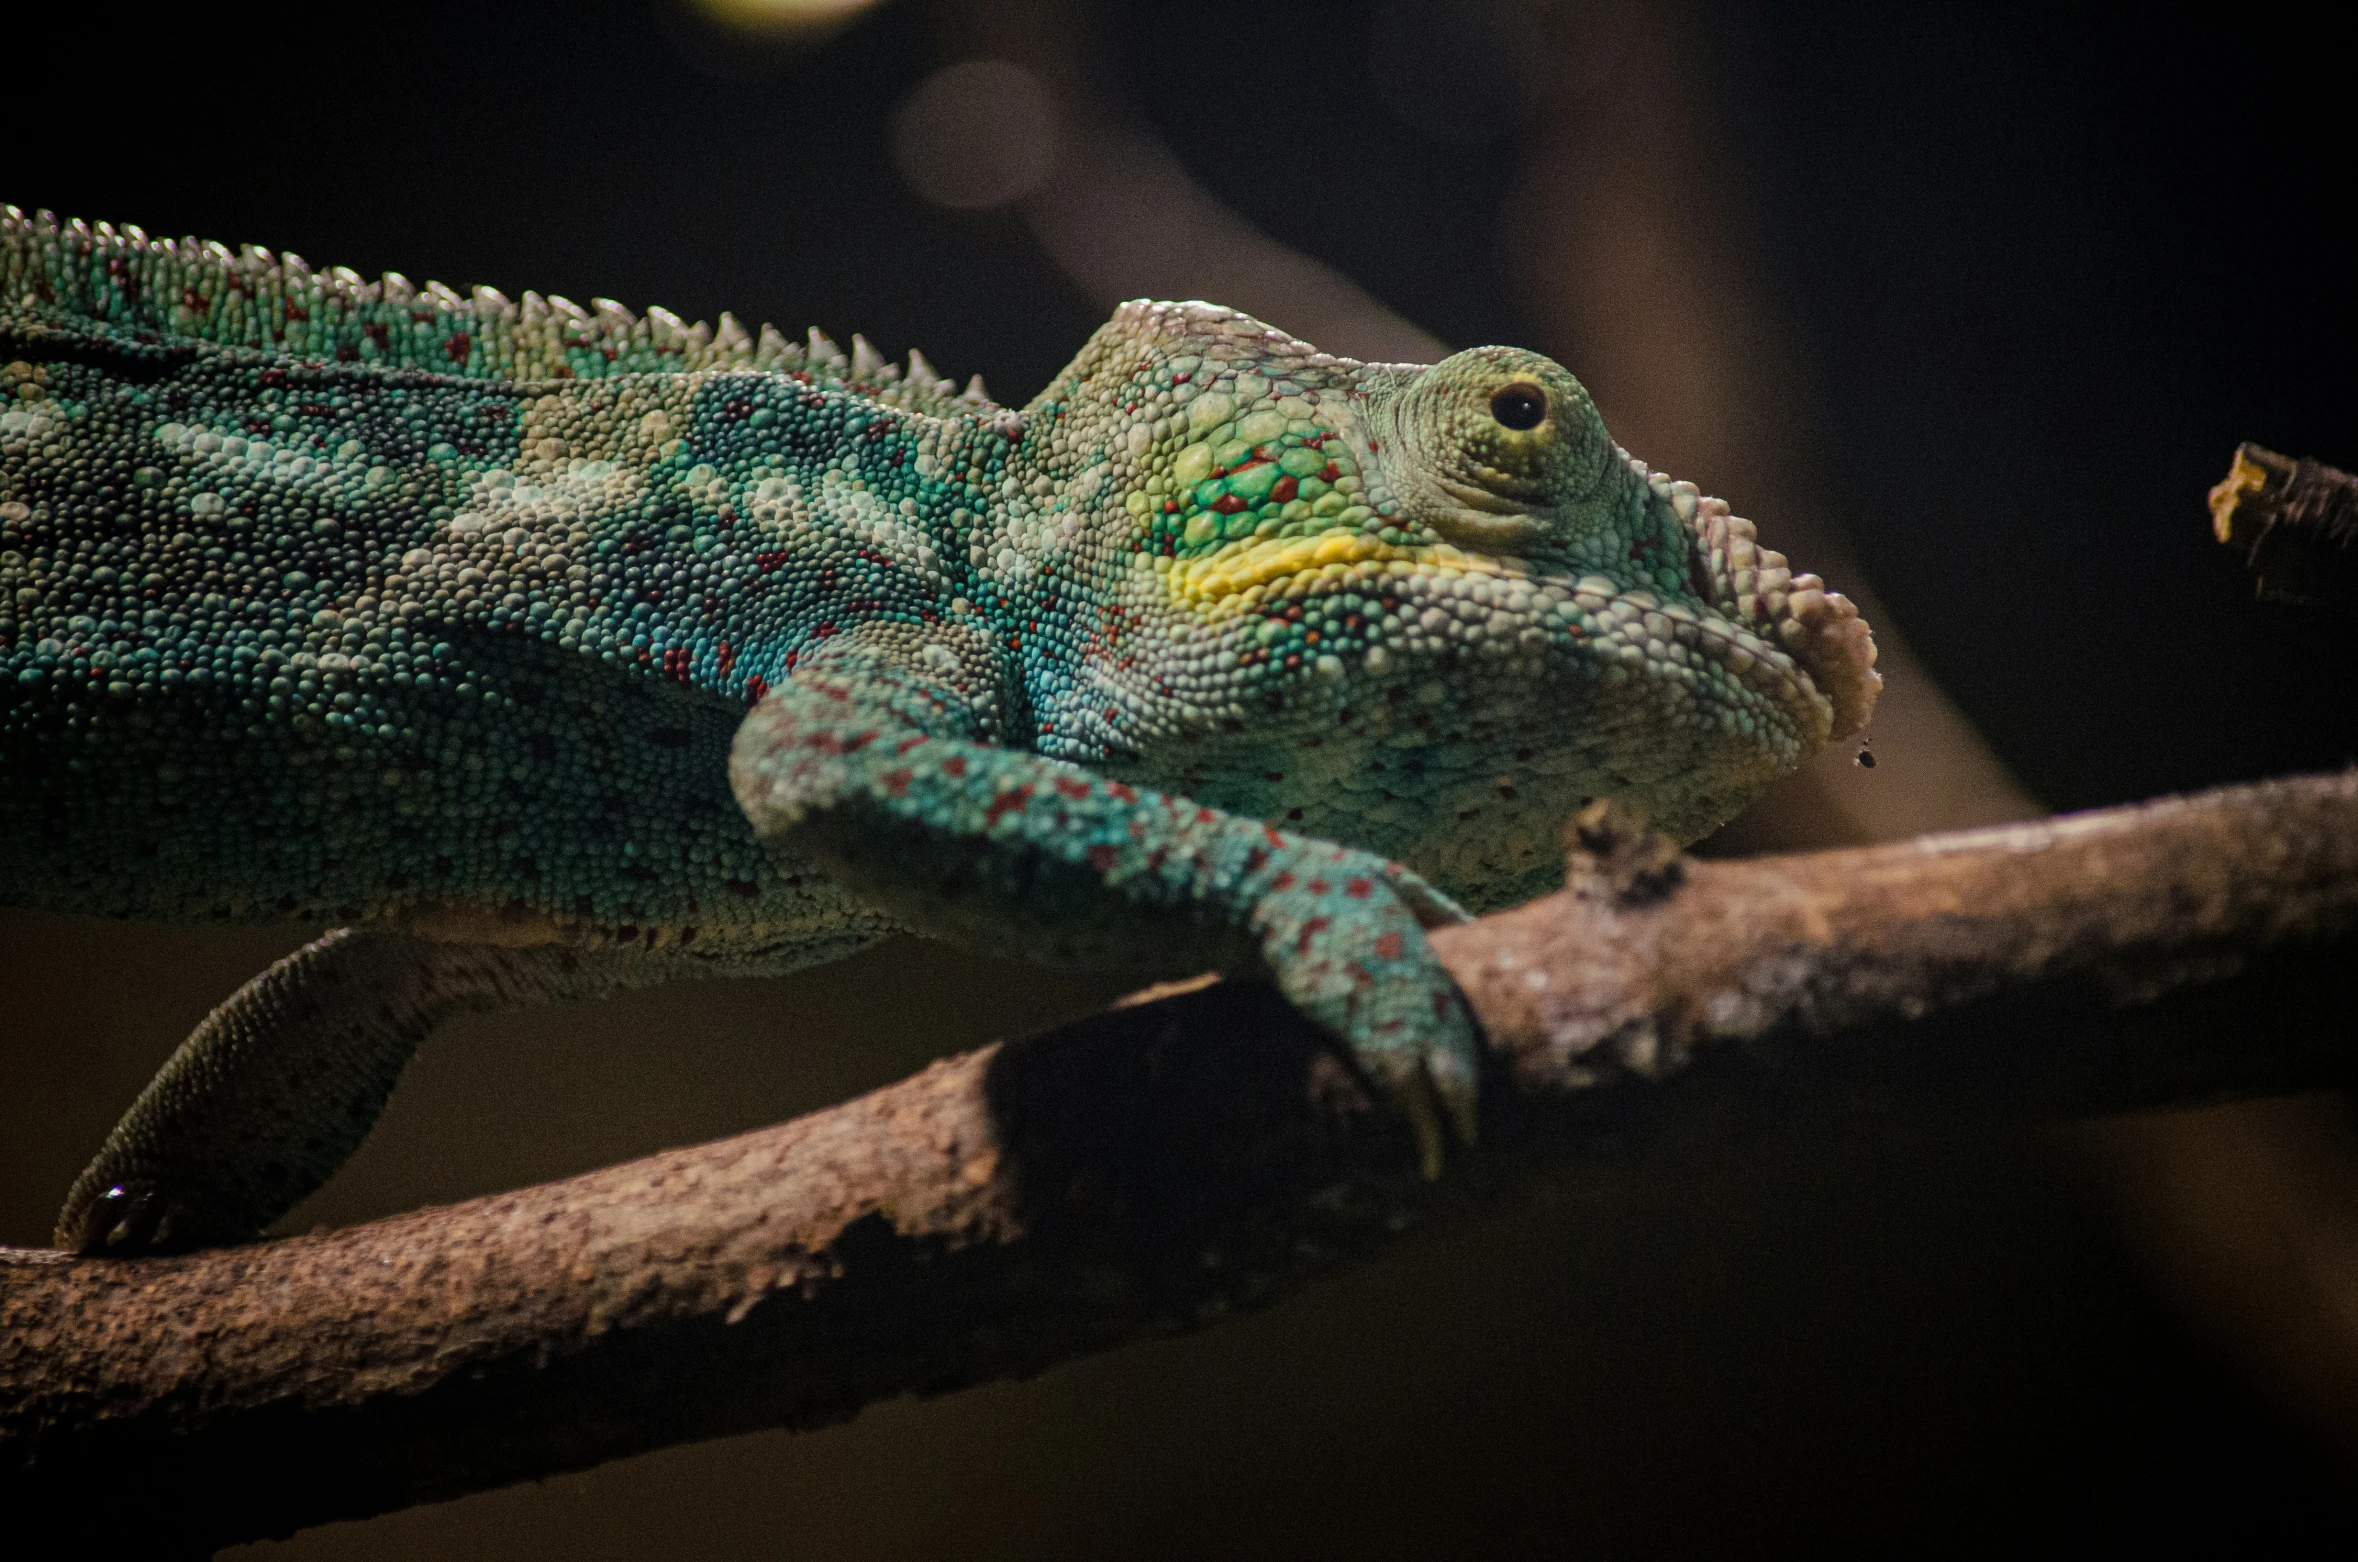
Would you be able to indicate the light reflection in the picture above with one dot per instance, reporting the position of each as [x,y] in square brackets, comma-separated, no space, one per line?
[773,18]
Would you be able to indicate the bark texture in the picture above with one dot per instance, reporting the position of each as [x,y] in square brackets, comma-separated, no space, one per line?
[1167,1162]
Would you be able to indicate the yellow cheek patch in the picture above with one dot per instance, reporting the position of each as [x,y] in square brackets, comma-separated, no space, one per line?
[1242,574]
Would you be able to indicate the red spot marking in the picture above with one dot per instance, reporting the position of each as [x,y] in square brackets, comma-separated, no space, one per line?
[1181,379]
[1359,889]
[459,345]
[1310,930]
[1388,946]
[1320,887]
[825,630]
[755,689]
[1284,881]
[1275,839]
[1005,803]
[1373,446]
[765,562]
[1170,507]
[955,765]
[1273,775]
[897,783]
[1228,504]
[1066,786]
[1102,858]
[727,656]
[907,744]
[1127,794]
[675,664]
[1637,548]
[1286,489]
[1255,860]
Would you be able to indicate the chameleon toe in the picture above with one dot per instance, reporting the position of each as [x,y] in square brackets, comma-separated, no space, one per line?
[130,1220]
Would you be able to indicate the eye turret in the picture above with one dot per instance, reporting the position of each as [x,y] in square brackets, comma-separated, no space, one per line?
[1500,450]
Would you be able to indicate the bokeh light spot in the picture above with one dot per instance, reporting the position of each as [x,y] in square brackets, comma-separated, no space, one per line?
[978,134]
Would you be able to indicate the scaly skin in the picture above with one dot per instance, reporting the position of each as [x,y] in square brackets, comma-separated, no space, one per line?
[554,650]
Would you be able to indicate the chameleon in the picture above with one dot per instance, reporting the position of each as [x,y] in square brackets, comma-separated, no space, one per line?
[543,650]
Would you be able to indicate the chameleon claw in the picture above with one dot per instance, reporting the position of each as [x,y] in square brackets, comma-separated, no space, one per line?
[123,1221]
[1453,1082]
[138,1219]
[1437,1094]
[1416,1096]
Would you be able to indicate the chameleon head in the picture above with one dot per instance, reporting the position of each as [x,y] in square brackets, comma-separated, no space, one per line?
[1442,594]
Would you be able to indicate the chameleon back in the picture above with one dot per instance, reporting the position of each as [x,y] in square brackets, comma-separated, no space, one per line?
[309,609]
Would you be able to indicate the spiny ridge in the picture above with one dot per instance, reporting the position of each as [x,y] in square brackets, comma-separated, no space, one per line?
[129,285]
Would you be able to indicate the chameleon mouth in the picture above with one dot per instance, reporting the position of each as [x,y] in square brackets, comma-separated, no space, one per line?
[1784,638]
[1248,575]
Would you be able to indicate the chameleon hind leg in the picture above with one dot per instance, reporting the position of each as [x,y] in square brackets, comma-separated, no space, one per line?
[878,763]
[279,1085]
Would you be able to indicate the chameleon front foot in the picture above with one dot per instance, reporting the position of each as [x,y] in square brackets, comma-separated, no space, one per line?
[867,765]
[1343,933]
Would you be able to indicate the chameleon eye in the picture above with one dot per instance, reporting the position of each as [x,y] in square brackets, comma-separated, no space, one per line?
[1521,405]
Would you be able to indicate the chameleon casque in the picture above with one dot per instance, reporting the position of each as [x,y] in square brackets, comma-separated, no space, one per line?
[545,650]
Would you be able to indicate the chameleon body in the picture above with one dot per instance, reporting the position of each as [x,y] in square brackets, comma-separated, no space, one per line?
[548,649]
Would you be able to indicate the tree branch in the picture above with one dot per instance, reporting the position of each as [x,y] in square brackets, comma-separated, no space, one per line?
[1157,1166]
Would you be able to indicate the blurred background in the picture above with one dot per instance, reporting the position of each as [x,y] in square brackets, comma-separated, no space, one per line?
[1966,311]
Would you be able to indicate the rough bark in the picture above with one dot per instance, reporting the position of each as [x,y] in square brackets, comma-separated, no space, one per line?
[1160,1165]
[2296,524]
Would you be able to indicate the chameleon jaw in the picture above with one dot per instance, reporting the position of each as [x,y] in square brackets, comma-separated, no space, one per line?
[1784,635]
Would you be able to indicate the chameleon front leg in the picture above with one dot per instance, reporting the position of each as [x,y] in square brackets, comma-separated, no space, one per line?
[279,1085]
[878,763]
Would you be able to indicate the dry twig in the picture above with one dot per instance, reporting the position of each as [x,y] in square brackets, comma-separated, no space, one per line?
[2295,523]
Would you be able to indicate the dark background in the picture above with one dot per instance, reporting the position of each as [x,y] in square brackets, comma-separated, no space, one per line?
[2040,275]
